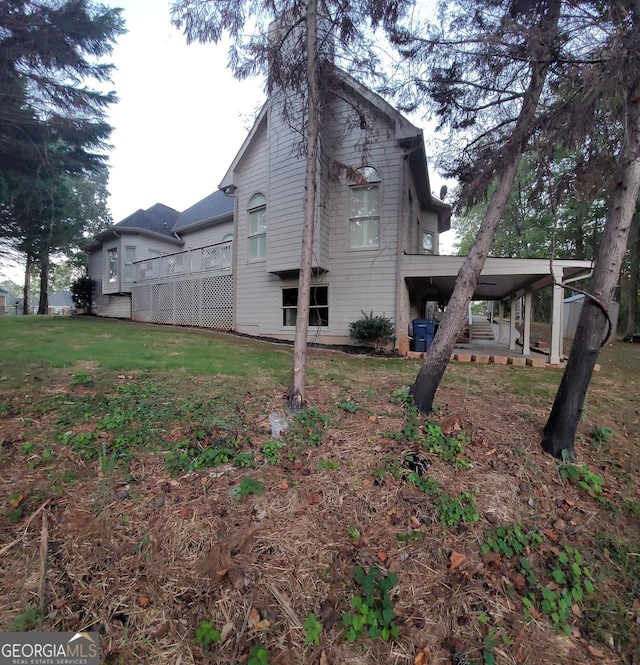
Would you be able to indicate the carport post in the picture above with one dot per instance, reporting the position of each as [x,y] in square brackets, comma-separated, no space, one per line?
[556,317]
[526,341]
[512,323]
[500,321]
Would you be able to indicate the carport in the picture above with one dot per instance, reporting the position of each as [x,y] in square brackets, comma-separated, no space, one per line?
[432,279]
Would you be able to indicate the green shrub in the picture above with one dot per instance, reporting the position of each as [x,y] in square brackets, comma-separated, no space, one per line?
[376,331]
[82,291]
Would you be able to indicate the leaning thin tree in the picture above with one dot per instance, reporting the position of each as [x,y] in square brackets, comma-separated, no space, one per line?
[611,90]
[486,73]
[295,54]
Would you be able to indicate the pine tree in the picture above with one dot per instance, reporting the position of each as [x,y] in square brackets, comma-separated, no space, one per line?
[52,125]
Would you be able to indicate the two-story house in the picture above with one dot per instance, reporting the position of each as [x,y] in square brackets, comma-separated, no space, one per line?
[231,261]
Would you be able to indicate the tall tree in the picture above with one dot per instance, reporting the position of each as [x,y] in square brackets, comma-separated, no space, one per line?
[633,277]
[298,56]
[613,87]
[555,209]
[485,70]
[52,125]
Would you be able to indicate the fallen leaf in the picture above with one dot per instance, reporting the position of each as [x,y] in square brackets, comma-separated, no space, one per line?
[284,485]
[220,574]
[491,558]
[382,556]
[185,512]
[457,558]
[551,535]
[14,503]
[143,601]
[422,657]
[323,659]
[493,451]
[519,580]
[227,629]
[161,630]
[598,653]
[254,618]
[415,521]
[263,625]
[314,498]
[560,525]
[373,418]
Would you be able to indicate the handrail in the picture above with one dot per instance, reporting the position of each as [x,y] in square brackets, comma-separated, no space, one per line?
[214,258]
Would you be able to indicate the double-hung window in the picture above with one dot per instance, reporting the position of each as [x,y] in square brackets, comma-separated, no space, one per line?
[129,258]
[318,306]
[112,265]
[364,211]
[257,234]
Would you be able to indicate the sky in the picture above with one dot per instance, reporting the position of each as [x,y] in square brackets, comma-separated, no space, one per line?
[181,118]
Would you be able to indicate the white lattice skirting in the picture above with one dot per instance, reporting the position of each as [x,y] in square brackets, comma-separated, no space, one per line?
[205,302]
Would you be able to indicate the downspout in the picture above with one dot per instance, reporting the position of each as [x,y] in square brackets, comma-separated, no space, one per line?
[402,339]
[563,284]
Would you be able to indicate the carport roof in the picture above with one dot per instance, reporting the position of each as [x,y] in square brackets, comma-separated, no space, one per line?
[434,277]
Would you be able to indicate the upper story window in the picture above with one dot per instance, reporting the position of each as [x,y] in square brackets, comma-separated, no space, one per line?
[129,258]
[427,242]
[112,265]
[257,232]
[364,211]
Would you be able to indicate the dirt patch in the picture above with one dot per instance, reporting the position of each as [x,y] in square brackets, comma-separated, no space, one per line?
[145,557]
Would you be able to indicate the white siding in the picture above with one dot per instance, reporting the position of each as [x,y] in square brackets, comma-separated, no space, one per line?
[364,280]
[118,306]
[256,289]
[285,198]
[207,235]
[357,280]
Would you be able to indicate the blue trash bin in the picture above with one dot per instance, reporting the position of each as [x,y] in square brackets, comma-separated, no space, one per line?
[423,330]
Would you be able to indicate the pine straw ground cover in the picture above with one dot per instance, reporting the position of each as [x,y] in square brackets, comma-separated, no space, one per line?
[158,510]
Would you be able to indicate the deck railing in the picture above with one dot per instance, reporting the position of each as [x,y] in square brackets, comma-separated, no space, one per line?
[214,259]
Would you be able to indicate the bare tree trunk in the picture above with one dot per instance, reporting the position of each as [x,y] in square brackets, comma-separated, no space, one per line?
[560,430]
[297,390]
[435,363]
[43,301]
[436,360]
[634,276]
[26,289]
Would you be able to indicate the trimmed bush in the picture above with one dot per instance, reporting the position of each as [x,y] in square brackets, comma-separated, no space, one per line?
[376,331]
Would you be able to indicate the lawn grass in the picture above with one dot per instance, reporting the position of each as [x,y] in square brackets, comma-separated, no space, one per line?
[34,343]
[171,508]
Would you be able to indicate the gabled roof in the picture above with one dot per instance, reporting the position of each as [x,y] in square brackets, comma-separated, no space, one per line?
[215,208]
[408,136]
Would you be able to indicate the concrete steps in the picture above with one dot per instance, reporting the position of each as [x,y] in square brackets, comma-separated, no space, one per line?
[481,330]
